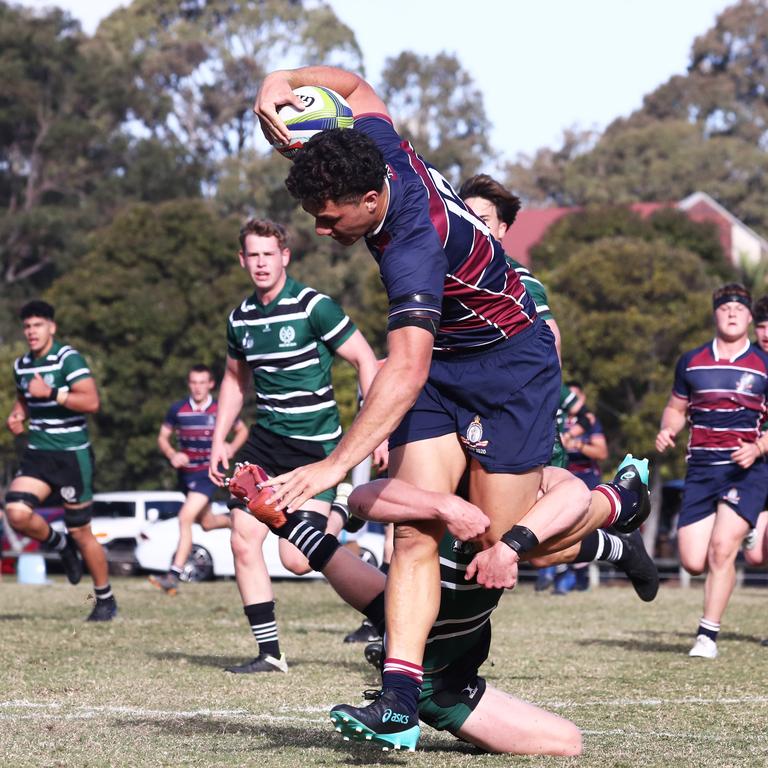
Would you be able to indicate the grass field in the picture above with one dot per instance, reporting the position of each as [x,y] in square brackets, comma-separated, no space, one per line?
[149,690]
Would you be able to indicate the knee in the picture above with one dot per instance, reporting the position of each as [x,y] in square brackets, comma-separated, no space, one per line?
[81,533]
[17,514]
[296,564]
[721,556]
[242,548]
[414,541]
[694,565]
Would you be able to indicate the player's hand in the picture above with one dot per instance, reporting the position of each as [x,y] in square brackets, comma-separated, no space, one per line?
[746,454]
[293,489]
[15,422]
[665,439]
[179,460]
[219,458]
[230,450]
[494,568]
[275,92]
[464,521]
[381,457]
[38,388]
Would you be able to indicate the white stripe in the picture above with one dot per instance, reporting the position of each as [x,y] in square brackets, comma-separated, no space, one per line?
[446,635]
[269,320]
[453,564]
[56,430]
[296,393]
[335,330]
[295,367]
[283,355]
[78,372]
[298,408]
[459,587]
[484,614]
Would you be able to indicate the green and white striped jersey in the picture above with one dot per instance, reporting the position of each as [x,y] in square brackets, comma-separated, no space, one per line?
[465,608]
[289,346]
[53,427]
[534,287]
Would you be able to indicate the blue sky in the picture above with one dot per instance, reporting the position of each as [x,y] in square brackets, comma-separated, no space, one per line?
[542,66]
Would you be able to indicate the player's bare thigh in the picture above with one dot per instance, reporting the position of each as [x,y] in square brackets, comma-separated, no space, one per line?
[195,505]
[693,544]
[435,464]
[503,723]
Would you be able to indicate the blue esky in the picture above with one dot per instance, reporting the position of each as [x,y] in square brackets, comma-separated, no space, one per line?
[542,66]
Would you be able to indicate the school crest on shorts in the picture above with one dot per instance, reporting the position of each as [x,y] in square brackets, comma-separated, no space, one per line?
[68,493]
[474,436]
[732,497]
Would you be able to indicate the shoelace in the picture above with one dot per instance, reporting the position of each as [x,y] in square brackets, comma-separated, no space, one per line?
[372,694]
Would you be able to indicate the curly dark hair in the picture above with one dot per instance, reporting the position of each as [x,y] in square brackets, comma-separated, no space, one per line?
[37,308]
[341,165]
[760,310]
[507,205]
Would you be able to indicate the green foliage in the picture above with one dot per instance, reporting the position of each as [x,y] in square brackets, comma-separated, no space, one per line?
[436,105]
[627,308]
[9,445]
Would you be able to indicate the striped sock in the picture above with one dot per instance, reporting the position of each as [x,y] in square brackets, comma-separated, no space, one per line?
[317,546]
[405,678]
[103,593]
[261,618]
[55,540]
[176,571]
[708,628]
[611,492]
[612,547]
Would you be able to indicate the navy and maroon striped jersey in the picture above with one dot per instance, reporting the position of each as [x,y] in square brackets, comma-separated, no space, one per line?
[726,400]
[435,255]
[194,430]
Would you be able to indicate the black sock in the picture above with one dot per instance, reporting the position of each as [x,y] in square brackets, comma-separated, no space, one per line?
[709,628]
[103,593]
[613,547]
[374,612]
[384,568]
[55,540]
[176,571]
[588,548]
[261,618]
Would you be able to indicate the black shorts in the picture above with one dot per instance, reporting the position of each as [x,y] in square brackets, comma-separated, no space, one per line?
[278,454]
[69,473]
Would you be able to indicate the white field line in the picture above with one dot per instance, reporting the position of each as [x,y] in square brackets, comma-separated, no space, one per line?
[62,710]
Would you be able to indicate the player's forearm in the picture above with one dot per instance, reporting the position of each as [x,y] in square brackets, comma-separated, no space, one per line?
[339,80]
[393,392]
[82,402]
[673,420]
[231,399]
[164,444]
[393,501]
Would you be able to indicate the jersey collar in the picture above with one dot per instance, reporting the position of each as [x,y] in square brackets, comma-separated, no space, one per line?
[204,406]
[742,351]
[384,217]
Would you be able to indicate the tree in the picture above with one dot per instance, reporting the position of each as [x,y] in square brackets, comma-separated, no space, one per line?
[197,64]
[627,308]
[436,105]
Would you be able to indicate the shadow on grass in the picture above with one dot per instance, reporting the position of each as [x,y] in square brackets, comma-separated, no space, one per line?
[648,642]
[220,662]
[13,616]
[266,737]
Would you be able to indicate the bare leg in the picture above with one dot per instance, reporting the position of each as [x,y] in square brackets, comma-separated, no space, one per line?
[194,505]
[22,517]
[758,555]
[93,554]
[414,574]
[251,574]
[290,557]
[502,723]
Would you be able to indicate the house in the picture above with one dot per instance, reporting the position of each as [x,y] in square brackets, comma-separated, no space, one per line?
[740,243]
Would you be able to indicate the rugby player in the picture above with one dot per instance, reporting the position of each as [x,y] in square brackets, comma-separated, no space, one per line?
[472,375]
[720,388]
[55,390]
[192,420]
[283,337]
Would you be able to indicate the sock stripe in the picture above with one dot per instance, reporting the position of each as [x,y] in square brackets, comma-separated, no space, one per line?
[614,500]
[401,667]
[712,626]
[602,540]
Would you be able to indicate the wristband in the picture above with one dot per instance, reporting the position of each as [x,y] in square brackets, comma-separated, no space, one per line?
[521,539]
[61,395]
[54,394]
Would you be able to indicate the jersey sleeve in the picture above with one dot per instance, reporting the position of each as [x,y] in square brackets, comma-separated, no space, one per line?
[74,368]
[681,387]
[234,346]
[171,418]
[329,321]
[535,289]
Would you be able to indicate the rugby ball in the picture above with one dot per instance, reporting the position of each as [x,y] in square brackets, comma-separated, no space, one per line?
[323,109]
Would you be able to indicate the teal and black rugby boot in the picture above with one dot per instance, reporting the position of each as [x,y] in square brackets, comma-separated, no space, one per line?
[631,481]
[382,723]
[639,567]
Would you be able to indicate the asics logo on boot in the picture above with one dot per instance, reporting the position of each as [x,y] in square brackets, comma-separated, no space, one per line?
[395,717]
[628,475]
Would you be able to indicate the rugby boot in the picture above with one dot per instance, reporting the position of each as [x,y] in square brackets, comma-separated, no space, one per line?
[168,582]
[382,723]
[639,566]
[374,653]
[104,610]
[70,560]
[365,633]
[631,483]
[264,662]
